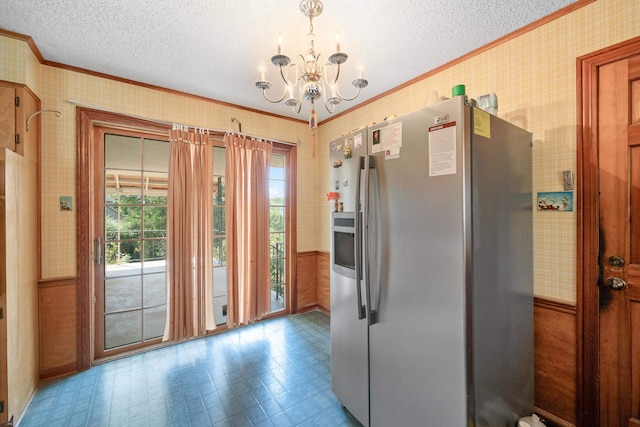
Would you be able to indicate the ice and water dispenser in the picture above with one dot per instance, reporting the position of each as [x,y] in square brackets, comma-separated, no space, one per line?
[343,230]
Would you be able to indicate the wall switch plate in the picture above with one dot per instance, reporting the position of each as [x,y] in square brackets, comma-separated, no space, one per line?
[567,177]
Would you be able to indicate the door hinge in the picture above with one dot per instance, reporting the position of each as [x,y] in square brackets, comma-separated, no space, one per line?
[1,406]
[94,299]
[17,101]
[17,138]
[1,313]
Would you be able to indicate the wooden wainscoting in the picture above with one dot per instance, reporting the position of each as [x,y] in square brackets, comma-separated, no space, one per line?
[312,290]
[58,327]
[307,279]
[324,298]
[555,361]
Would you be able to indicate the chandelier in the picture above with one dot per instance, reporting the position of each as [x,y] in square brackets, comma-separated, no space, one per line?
[311,77]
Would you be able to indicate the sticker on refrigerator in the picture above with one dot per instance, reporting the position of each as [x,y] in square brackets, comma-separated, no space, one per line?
[442,149]
[357,140]
[387,138]
[392,153]
[481,123]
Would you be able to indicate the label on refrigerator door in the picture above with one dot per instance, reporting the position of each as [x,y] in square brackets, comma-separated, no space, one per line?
[442,149]
[481,123]
[357,140]
[392,153]
[387,138]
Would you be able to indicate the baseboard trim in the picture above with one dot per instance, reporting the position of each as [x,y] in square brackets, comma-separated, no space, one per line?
[555,305]
[307,307]
[551,420]
[58,281]
[59,371]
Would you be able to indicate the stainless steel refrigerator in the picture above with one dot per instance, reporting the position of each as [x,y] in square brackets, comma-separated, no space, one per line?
[431,270]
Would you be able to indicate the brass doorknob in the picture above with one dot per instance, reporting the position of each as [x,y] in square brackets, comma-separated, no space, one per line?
[616,261]
[616,284]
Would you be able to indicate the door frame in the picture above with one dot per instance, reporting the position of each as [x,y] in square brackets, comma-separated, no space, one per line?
[86,120]
[588,241]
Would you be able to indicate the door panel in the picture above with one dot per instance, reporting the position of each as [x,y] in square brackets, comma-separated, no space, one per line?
[278,229]
[130,276]
[619,211]
[7,118]
[419,294]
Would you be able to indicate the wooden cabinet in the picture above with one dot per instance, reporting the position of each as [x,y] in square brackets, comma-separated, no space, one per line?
[7,117]
[17,103]
[19,370]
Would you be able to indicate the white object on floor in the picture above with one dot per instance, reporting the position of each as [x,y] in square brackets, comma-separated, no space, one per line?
[532,421]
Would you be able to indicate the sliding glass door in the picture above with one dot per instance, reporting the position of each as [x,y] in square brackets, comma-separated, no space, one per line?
[130,250]
[278,232]
[130,186]
[220,293]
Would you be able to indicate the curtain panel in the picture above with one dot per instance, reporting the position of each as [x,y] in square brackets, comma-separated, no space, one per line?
[247,224]
[189,236]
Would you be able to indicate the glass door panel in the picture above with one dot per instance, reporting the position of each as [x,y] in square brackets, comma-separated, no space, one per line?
[277,232]
[131,303]
[219,237]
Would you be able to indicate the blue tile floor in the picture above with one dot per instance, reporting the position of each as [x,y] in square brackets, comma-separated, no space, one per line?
[272,373]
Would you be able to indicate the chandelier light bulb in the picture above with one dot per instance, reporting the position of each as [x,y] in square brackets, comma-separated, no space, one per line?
[337,42]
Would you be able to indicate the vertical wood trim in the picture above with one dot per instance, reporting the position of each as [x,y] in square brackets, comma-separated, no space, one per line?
[84,135]
[588,241]
[587,223]
[634,351]
[292,208]
[4,385]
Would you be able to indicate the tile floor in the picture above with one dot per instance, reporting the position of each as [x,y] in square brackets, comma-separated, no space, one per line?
[272,373]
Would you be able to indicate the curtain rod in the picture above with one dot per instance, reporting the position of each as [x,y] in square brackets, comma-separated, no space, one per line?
[163,122]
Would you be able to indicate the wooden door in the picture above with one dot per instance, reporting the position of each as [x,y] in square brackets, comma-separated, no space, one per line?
[610,232]
[619,182]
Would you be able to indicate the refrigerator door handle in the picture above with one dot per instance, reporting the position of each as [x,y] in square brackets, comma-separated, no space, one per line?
[371,313]
[358,241]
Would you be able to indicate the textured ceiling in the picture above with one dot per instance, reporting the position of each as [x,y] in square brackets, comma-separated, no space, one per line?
[213,48]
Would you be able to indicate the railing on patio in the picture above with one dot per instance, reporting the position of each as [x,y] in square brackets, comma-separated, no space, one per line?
[277,269]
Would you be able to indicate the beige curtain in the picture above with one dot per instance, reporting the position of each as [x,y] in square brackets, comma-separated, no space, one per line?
[247,224]
[189,236]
